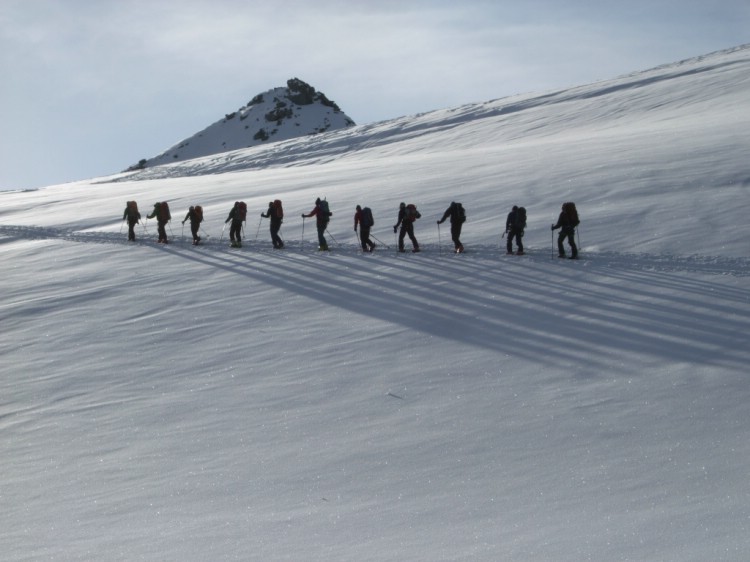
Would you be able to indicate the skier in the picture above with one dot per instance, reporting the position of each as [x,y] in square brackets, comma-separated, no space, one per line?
[276,215]
[407,214]
[457,217]
[514,227]
[133,216]
[363,218]
[567,223]
[237,216]
[195,214]
[162,215]
[323,215]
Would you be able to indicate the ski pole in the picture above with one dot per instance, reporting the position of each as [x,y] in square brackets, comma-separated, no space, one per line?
[302,242]
[258,231]
[182,236]
[332,238]
[440,246]
[552,241]
[206,233]
[121,225]
[380,242]
[222,233]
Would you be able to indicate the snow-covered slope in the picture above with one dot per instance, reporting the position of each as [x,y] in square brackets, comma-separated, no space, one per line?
[202,403]
[278,114]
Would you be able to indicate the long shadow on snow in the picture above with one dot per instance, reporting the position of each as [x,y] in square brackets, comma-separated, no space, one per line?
[536,308]
[552,311]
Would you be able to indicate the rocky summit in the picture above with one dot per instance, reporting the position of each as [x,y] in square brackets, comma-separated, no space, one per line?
[275,115]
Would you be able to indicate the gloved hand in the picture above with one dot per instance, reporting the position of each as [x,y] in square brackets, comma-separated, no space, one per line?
[183,222]
[440,222]
[302,215]
[552,227]
[355,229]
[395,228]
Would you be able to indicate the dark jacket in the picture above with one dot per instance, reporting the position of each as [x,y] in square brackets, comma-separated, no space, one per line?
[192,215]
[271,214]
[403,219]
[132,215]
[452,212]
[510,222]
[564,222]
[234,215]
[156,214]
[320,216]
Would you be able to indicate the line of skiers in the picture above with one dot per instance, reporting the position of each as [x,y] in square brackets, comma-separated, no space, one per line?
[515,224]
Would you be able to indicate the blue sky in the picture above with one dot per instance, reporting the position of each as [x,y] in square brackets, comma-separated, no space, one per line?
[89,88]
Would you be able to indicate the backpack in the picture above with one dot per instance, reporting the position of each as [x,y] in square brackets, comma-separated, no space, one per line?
[198,213]
[241,210]
[132,207]
[458,213]
[520,220]
[162,212]
[323,211]
[367,218]
[278,208]
[572,213]
[411,214]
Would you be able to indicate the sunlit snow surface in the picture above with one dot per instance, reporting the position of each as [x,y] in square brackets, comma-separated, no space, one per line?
[207,403]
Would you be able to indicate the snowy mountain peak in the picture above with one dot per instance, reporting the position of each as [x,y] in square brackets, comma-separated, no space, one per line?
[278,114]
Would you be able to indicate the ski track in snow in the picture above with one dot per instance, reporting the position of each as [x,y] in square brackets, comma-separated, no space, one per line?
[716,265]
[645,295]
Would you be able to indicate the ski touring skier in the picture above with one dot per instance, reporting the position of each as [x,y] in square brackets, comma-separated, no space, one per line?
[407,214]
[363,218]
[514,228]
[133,217]
[275,213]
[567,223]
[163,216]
[457,215]
[195,216]
[237,215]
[322,214]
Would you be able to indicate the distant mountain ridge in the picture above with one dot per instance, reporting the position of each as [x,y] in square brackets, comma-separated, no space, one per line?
[275,115]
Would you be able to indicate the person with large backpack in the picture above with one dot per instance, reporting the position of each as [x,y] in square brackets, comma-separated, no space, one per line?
[322,214]
[275,212]
[407,214]
[131,213]
[567,223]
[163,216]
[363,218]
[195,214]
[457,216]
[237,215]
[514,227]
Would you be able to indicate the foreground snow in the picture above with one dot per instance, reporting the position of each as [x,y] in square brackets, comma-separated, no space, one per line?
[182,403]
